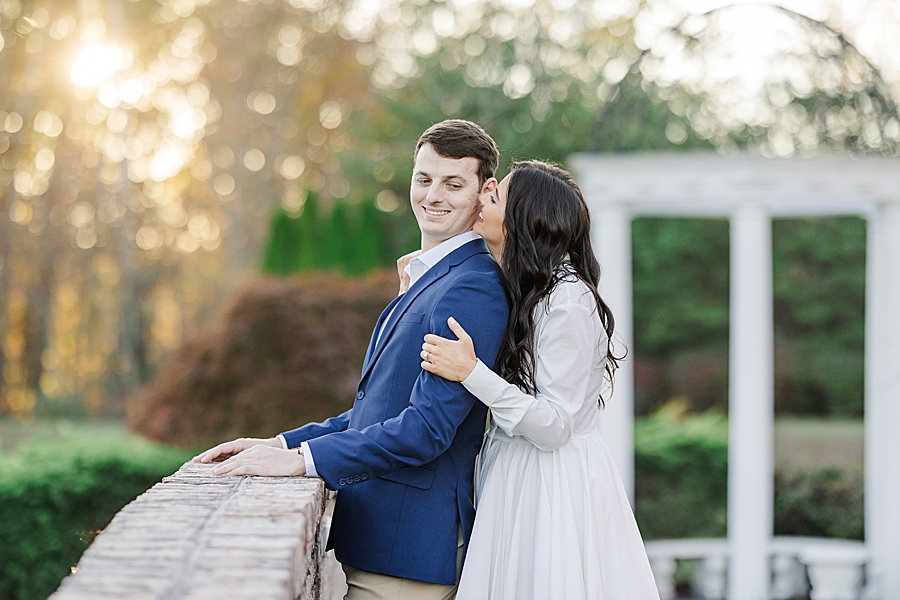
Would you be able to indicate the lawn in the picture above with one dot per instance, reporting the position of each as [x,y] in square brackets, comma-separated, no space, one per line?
[15,434]
[803,443]
[800,442]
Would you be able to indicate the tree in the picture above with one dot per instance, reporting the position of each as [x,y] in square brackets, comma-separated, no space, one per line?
[140,196]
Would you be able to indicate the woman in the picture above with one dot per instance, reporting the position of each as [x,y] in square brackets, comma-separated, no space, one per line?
[553,520]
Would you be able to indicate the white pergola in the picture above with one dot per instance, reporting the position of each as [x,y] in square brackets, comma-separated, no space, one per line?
[749,191]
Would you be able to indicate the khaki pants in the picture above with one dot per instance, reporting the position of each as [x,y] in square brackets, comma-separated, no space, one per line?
[362,585]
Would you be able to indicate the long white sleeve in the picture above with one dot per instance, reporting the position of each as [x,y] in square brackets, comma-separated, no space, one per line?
[566,354]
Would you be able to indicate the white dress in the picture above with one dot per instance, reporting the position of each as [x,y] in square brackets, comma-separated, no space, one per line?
[552,518]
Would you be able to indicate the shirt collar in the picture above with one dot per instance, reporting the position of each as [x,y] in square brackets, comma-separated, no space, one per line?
[419,266]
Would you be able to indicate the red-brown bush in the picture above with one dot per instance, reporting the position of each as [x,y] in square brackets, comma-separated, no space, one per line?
[283,353]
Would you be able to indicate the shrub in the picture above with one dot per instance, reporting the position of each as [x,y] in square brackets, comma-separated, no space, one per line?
[681,480]
[681,474]
[56,496]
[824,502]
[283,353]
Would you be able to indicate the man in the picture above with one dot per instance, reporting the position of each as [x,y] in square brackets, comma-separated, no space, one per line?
[403,456]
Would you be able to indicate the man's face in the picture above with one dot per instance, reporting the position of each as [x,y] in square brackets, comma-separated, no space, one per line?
[444,195]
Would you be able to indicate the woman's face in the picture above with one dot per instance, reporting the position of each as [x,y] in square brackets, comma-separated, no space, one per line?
[489,224]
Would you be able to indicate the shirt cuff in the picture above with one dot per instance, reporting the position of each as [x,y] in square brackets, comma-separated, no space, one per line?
[283,441]
[308,458]
[484,384]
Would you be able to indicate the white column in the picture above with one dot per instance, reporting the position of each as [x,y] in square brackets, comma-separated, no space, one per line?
[611,238]
[882,408]
[750,405]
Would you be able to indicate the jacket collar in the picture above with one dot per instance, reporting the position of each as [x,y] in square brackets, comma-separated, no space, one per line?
[403,302]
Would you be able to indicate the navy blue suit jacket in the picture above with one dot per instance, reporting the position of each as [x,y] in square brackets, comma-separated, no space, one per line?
[403,457]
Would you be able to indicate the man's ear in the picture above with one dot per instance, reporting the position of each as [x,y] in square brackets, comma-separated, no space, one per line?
[489,186]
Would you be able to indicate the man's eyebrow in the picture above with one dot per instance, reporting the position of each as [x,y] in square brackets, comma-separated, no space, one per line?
[445,178]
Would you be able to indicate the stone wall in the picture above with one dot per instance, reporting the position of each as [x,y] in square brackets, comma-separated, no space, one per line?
[198,536]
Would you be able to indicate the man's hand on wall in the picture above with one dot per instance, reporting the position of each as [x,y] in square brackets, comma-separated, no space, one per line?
[226,450]
[264,460]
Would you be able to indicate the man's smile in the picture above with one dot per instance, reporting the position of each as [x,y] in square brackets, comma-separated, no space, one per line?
[436,213]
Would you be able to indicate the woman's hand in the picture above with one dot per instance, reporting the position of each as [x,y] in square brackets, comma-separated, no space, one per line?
[453,360]
[402,262]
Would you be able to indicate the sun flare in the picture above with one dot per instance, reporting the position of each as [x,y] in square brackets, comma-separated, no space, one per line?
[95,64]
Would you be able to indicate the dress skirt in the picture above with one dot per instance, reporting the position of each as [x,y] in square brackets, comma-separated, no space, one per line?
[553,525]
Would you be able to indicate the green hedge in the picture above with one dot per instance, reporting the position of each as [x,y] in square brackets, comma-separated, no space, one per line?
[681,479]
[825,502]
[681,474]
[55,496]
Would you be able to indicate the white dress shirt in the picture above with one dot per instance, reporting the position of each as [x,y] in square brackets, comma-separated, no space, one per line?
[416,268]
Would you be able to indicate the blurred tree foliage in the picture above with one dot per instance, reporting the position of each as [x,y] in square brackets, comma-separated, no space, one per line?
[681,313]
[148,148]
[680,270]
[819,285]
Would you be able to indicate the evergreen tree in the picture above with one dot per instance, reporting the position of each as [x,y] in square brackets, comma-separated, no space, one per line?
[337,246]
[283,247]
[310,247]
[367,249]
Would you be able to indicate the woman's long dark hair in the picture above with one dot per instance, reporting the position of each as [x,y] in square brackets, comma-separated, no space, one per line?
[546,219]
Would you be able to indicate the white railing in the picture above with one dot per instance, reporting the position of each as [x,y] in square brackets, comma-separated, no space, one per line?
[801,567]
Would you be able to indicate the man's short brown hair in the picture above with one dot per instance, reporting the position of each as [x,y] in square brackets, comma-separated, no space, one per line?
[456,138]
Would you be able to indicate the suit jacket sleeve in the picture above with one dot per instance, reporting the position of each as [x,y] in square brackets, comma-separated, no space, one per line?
[426,428]
[295,437]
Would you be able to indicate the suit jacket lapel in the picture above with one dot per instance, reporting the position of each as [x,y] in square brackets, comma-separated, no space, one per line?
[370,351]
[433,274]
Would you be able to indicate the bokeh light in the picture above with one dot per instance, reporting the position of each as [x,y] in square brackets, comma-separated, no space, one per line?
[291,167]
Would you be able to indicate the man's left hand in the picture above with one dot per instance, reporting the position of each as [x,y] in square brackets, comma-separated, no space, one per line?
[264,460]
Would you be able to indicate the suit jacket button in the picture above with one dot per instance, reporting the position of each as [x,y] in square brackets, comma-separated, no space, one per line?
[342,481]
[364,476]
[360,395]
